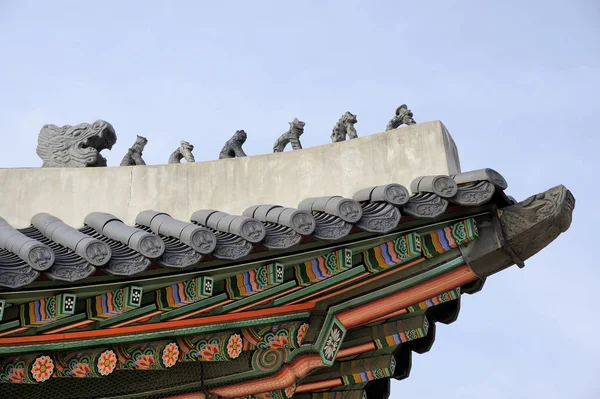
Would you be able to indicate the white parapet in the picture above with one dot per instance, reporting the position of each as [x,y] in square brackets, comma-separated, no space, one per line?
[229,185]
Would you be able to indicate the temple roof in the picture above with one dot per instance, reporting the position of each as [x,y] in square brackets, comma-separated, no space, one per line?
[51,250]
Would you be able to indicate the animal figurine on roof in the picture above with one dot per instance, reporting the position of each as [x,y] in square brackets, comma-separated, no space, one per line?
[345,126]
[76,146]
[403,116]
[292,136]
[233,146]
[184,151]
[134,154]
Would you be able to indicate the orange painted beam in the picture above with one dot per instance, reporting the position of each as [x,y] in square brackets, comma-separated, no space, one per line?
[142,318]
[165,325]
[286,377]
[356,350]
[14,331]
[203,310]
[403,299]
[376,277]
[340,284]
[80,324]
[313,386]
[388,316]
[267,300]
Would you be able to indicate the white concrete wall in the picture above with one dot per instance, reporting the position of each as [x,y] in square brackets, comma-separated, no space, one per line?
[229,185]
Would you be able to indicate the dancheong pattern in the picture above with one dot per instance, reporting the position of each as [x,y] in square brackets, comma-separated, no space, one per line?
[392,253]
[184,293]
[30,369]
[90,363]
[397,332]
[288,335]
[443,240]
[254,281]
[279,394]
[323,267]
[202,348]
[149,356]
[436,300]
[364,370]
[47,310]
[114,303]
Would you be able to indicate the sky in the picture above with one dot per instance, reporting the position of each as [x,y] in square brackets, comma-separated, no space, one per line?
[516,83]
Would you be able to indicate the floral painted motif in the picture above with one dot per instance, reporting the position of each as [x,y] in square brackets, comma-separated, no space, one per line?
[107,362]
[289,391]
[333,342]
[301,333]
[17,375]
[170,354]
[42,369]
[82,370]
[145,362]
[234,346]
[279,341]
[208,351]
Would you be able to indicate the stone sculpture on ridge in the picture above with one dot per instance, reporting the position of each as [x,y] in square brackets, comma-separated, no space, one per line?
[292,136]
[75,146]
[345,126]
[403,116]
[184,151]
[134,154]
[233,146]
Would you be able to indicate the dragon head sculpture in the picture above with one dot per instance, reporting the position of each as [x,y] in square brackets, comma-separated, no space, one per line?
[75,146]
[519,231]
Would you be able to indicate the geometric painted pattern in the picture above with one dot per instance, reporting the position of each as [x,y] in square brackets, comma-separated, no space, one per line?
[114,303]
[47,310]
[365,370]
[184,293]
[323,267]
[436,300]
[400,331]
[254,281]
[443,240]
[392,253]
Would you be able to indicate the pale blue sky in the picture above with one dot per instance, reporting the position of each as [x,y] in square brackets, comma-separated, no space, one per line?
[515,82]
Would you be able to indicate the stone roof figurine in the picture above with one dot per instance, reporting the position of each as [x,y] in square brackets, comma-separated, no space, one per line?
[134,154]
[184,151]
[403,116]
[233,146]
[292,136]
[345,126]
[76,146]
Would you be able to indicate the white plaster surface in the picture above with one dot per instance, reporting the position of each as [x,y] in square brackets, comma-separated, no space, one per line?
[229,185]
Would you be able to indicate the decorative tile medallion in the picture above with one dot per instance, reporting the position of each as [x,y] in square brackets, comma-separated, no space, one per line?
[333,341]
